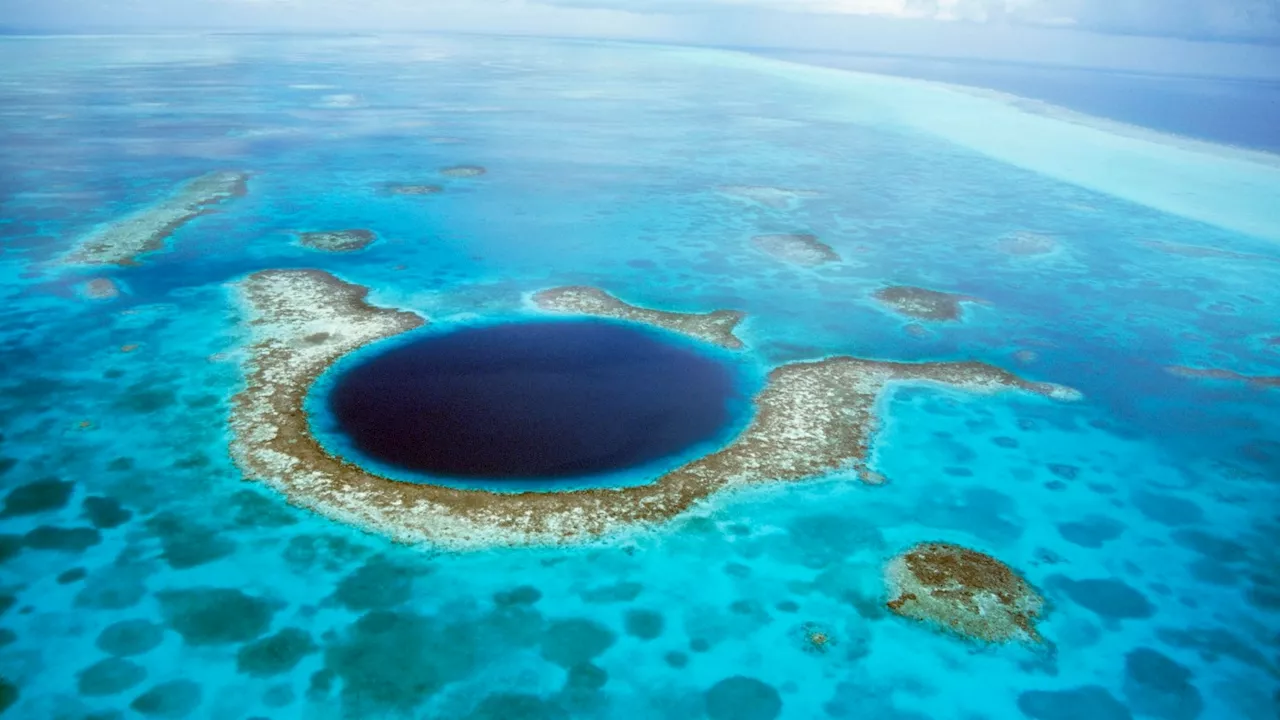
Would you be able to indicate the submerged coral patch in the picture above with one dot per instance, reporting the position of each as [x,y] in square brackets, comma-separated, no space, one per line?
[1257,381]
[338,241]
[775,198]
[811,419]
[922,303]
[964,591]
[121,242]
[796,248]
[396,188]
[1025,243]
[463,171]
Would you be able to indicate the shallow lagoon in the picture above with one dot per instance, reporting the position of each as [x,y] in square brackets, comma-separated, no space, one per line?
[143,576]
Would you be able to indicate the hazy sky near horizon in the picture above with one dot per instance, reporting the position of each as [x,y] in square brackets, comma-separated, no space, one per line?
[1209,36]
[1223,19]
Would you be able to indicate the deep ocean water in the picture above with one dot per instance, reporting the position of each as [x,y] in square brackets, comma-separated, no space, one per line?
[530,400]
[142,576]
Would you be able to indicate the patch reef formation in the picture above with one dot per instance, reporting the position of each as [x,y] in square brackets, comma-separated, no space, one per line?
[121,242]
[811,419]
[338,240]
[923,303]
[713,327]
[796,248]
[964,591]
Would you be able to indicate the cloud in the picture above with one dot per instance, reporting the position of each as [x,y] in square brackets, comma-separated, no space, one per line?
[1249,19]
[1223,19]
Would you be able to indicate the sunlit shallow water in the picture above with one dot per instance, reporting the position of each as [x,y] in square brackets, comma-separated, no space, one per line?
[142,575]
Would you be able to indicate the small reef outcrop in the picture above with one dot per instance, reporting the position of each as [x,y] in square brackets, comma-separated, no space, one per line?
[922,303]
[1025,243]
[122,241]
[965,592]
[338,241]
[395,188]
[1257,381]
[811,419]
[800,249]
[714,327]
[463,171]
[776,198]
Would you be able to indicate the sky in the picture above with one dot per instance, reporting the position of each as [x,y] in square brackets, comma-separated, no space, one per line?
[1200,36]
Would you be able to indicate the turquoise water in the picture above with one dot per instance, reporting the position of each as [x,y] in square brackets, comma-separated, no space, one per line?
[144,577]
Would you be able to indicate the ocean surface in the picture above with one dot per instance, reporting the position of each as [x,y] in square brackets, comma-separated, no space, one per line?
[142,575]
[1233,111]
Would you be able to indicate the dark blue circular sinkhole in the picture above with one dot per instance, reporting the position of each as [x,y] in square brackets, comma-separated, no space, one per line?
[534,400]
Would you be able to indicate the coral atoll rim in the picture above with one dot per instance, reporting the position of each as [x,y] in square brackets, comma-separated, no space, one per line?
[811,419]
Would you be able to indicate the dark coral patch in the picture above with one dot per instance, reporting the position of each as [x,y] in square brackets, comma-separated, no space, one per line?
[104,512]
[170,700]
[394,661]
[109,676]
[509,706]
[964,591]
[586,678]
[130,637]
[186,543]
[37,497]
[215,616]
[60,539]
[523,595]
[1091,532]
[71,576]
[377,584]
[1167,510]
[573,642]
[9,694]
[1106,597]
[1157,686]
[254,509]
[113,588]
[625,591]
[742,698]
[10,546]
[1090,701]
[275,654]
[643,624]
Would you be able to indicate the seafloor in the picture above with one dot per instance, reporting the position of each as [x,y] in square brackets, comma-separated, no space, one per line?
[142,575]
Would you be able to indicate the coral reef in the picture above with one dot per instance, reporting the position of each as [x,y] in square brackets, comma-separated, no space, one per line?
[713,327]
[1258,381]
[410,189]
[463,171]
[100,288]
[922,303]
[771,197]
[964,591]
[811,419]
[796,248]
[338,241]
[122,241]
[1026,243]
[1198,251]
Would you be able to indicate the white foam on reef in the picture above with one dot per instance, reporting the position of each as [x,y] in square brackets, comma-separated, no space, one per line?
[1230,187]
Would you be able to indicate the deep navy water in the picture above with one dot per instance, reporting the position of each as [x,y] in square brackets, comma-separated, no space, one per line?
[1241,112]
[540,399]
